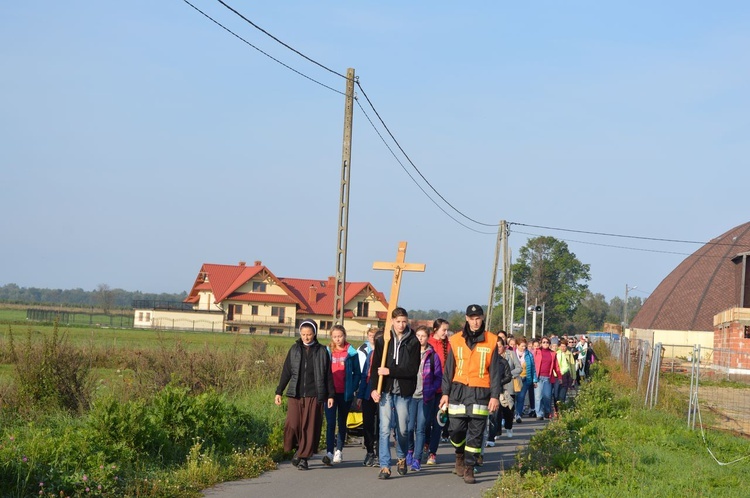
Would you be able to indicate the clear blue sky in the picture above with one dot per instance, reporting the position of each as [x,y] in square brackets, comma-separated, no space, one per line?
[138,140]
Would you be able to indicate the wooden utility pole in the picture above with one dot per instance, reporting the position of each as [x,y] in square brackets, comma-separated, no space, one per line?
[346,161]
[399,266]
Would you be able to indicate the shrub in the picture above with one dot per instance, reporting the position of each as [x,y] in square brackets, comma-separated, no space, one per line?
[51,372]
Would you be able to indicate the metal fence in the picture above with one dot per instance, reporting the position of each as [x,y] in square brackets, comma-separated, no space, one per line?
[80,318]
[714,382]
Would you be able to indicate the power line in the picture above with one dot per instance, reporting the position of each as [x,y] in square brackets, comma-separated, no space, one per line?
[261,51]
[374,110]
[415,166]
[410,175]
[623,247]
[657,239]
[281,42]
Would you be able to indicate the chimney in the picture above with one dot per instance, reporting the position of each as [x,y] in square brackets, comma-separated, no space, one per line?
[257,263]
[313,294]
[242,263]
[331,281]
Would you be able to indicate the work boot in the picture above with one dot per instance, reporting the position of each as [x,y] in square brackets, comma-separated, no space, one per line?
[469,475]
[460,466]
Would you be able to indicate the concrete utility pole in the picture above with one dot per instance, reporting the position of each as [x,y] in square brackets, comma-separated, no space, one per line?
[508,291]
[625,308]
[493,283]
[338,299]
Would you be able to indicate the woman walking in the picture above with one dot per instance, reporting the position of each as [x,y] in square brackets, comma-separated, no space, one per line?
[307,373]
[346,377]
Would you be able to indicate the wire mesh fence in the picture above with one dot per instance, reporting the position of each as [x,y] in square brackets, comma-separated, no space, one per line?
[80,318]
[714,382]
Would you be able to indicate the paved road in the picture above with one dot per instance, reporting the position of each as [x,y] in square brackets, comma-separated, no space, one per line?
[351,480]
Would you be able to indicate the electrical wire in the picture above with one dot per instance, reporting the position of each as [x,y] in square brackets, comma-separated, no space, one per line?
[281,42]
[621,247]
[415,166]
[657,239]
[410,175]
[261,51]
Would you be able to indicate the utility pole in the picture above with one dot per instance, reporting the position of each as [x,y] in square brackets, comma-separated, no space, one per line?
[625,308]
[508,293]
[346,161]
[494,278]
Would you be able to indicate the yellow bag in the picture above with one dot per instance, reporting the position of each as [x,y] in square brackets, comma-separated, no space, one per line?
[517,384]
[354,420]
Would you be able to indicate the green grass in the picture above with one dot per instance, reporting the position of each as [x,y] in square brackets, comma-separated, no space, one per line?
[609,445]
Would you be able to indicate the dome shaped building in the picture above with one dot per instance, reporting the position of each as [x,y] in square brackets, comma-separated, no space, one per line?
[683,308]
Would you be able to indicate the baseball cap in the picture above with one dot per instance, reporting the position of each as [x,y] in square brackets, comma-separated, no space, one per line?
[474,310]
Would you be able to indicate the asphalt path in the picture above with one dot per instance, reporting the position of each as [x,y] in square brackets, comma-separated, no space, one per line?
[351,479]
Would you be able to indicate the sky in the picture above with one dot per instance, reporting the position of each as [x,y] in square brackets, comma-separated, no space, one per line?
[139,140]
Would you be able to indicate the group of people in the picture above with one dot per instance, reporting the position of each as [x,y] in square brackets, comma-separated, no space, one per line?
[407,385]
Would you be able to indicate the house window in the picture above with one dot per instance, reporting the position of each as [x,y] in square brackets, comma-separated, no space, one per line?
[259,287]
[231,328]
[747,331]
[278,311]
[252,330]
[148,317]
[276,330]
[253,310]
[140,316]
[326,325]
[363,308]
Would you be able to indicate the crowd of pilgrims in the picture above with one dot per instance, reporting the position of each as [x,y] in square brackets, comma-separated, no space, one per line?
[336,379]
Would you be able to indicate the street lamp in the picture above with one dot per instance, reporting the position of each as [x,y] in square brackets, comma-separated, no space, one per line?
[625,307]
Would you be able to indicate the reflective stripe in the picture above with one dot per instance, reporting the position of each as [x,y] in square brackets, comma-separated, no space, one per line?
[480,410]
[456,409]
[473,450]
[457,445]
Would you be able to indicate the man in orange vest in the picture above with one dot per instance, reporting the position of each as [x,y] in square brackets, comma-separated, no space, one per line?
[473,380]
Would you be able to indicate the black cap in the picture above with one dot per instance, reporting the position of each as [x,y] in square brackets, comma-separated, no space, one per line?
[474,310]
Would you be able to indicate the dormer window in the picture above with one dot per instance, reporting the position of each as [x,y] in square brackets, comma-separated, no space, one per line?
[363,308]
[259,287]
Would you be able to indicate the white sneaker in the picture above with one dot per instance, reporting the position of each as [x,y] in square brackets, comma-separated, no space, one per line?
[337,456]
[509,433]
[490,444]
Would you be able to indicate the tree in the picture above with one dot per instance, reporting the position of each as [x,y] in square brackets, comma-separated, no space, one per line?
[105,296]
[553,276]
[590,315]
[616,313]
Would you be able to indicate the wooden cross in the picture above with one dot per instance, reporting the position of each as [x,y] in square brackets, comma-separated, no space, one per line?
[397,267]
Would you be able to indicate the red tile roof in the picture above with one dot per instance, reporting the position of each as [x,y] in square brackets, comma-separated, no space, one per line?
[700,287]
[224,280]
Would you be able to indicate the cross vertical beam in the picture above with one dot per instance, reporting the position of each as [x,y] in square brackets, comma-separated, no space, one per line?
[397,267]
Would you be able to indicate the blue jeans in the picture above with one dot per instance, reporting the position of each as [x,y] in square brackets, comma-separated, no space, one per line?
[543,395]
[521,397]
[341,408]
[435,431]
[423,413]
[393,406]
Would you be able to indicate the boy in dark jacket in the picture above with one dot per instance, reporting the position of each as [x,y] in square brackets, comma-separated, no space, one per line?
[307,372]
[399,382]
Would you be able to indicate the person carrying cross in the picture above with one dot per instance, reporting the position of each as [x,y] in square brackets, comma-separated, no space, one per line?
[472,384]
[399,383]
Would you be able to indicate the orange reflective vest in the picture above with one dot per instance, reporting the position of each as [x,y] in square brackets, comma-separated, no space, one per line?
[473,365]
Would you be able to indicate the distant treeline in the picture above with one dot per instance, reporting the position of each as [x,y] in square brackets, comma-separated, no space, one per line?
[102,296]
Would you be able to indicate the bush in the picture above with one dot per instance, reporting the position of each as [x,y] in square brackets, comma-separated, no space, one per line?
[51,373]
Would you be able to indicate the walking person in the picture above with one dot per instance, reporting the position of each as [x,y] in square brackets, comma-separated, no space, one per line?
[424,400]
[346,377]
[366,404]
[472,385]
[306,376]
[527,376]
[399,382]
[434,431]
[547,368]
[505,416]
[567,368]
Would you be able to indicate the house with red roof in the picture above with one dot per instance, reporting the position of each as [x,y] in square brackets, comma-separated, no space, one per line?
[251,299]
